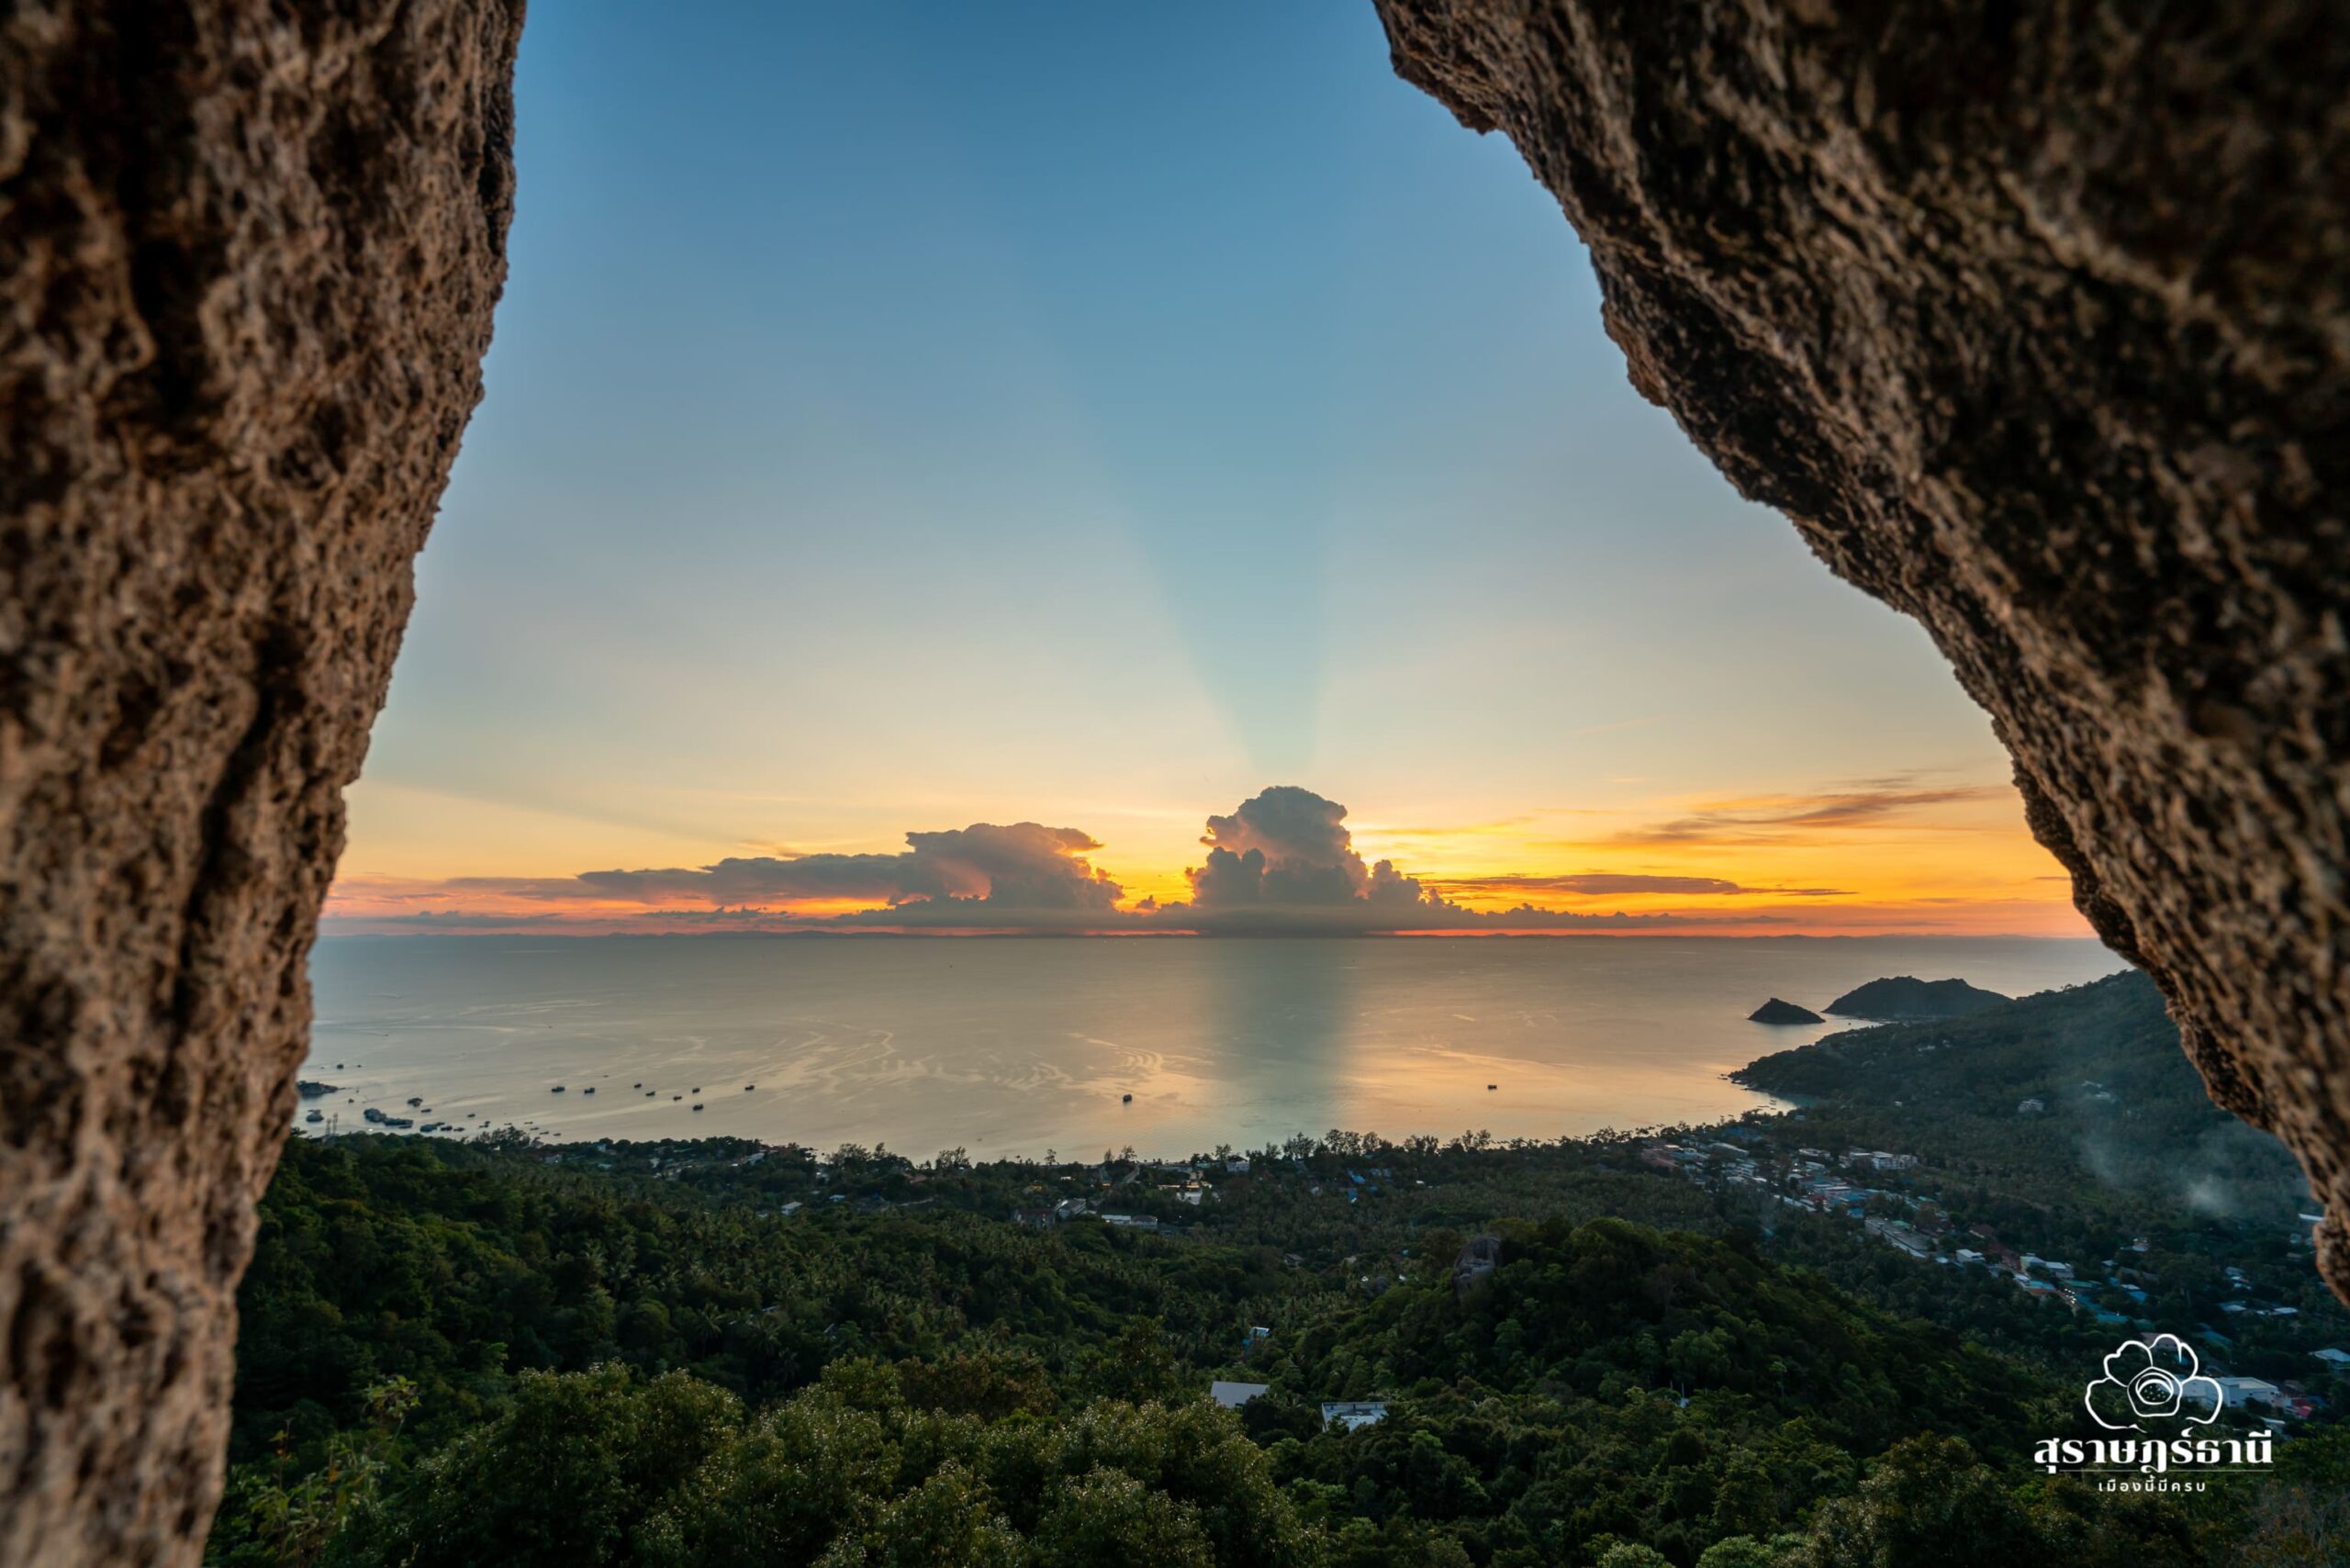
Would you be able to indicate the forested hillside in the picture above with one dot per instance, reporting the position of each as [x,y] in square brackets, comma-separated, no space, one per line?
[458,1354]
[2084,1093]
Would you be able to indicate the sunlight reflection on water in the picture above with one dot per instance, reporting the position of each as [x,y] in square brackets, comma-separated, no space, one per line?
[1012,1046]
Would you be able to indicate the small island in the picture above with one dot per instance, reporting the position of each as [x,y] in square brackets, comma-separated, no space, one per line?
[1905,998]
[1777,1011]
[311,1089]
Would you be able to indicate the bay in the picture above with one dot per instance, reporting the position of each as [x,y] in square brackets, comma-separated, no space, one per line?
[1015,1046]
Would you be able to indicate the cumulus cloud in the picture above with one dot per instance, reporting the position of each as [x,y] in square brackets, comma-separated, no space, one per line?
[1284,860]
[1287,847]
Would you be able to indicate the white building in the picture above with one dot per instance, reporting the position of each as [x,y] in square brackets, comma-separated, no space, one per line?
[2243,1391]
[1354,1414]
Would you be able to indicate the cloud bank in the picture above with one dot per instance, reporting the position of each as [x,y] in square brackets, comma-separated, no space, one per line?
[1023,866]
[1282,861]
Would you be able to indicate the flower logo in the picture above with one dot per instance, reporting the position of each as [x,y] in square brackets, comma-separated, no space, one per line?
[2151,1380]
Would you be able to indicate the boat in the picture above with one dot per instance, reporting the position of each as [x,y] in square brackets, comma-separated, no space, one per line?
[589,1090]
[1491,1087]
[557,1089]
[697,1105]
[748,1087]
[414,1101]
[1127,1101]
[316,1116]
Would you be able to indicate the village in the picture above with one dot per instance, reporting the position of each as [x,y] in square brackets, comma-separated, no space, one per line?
[1885,1194]
[1919,1225]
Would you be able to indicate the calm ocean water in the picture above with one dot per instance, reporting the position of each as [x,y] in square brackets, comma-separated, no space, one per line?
[1013,1046]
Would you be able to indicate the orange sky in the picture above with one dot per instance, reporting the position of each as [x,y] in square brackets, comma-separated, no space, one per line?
[1899,854]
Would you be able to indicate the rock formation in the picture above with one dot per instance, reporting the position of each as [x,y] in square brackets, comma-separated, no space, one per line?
[2031,318]
[1777,1011]
[1906,997]
[247,252]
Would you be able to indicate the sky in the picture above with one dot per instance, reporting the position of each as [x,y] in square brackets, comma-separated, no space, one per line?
[939,462]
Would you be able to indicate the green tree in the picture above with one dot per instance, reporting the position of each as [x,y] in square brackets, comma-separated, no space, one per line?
[1928,1503]
[269,1516]
[1632,1554]
[945,1522]
[1109,1520]
[564,1478]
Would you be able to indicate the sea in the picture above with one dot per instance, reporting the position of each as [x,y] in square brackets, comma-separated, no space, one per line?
[1006,1047]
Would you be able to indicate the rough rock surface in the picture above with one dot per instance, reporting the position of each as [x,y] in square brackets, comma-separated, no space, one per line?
[2031,317]
[248,254]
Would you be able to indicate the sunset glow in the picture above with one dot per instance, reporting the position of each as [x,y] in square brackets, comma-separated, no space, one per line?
[1948,860]
[967,472]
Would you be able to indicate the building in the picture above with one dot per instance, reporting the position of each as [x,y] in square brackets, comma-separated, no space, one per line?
[1354,1414]
[1894,1233]
[2252,1391]
[1233,1396]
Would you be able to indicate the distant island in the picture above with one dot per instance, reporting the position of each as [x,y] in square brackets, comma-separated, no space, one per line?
[1904,997]
[1777,1011]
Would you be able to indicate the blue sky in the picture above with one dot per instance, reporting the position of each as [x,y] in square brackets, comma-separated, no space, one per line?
[908,416]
